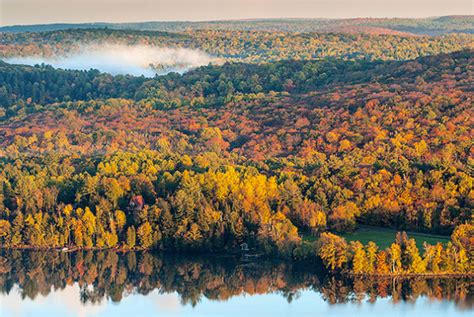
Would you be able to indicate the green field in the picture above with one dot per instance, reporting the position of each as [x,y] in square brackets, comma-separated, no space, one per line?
[384,237]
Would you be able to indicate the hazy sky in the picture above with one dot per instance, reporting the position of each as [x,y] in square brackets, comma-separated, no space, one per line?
[50,11]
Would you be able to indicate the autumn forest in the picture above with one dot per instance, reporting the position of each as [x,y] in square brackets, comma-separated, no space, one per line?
[284,142]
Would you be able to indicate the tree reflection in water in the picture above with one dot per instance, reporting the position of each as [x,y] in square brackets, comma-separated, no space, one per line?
[111,275]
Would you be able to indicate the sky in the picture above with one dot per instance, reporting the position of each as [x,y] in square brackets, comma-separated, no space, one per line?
[13,12]
[67,302]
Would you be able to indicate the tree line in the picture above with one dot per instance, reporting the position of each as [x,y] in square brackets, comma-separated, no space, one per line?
[401,258]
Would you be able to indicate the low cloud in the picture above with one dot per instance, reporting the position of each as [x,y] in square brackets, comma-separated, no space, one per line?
[122,59]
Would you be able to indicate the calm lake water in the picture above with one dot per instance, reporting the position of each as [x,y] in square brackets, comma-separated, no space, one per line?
[102,283]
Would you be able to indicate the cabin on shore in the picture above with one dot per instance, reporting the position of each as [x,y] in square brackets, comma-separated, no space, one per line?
[244,247]
[246,254]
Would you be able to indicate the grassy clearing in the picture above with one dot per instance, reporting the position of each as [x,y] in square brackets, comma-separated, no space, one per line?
[385,237]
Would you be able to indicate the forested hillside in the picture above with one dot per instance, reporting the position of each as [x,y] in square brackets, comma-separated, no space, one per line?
[262,153]
[242,46]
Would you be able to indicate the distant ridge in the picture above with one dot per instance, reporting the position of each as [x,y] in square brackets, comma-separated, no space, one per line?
[397,26]
[51,27]
[369,30]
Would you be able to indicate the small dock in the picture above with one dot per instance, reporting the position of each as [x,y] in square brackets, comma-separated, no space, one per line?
[66,249]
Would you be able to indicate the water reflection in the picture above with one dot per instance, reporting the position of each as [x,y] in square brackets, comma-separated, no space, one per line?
[99,277]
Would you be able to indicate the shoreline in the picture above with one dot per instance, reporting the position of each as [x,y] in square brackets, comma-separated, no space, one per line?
[410,275]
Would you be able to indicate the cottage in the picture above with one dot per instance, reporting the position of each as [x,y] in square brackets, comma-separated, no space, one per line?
[244,247]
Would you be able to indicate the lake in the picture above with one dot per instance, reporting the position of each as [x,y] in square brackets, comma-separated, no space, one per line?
[107,283]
